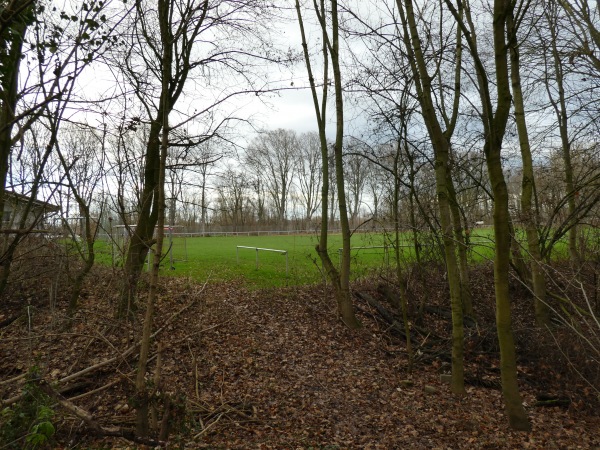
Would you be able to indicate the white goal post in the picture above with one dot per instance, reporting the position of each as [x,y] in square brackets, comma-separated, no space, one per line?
[257,249]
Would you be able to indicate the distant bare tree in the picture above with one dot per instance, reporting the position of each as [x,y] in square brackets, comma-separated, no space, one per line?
[233,191]
[272,156]
[82,155]
[308,172]
[356,169]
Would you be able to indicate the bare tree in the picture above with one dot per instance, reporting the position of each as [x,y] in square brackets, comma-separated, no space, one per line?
[189,166]
[82,156]
[355,174]
[440,133]
[189,25]
[233,198]
[308,172]
[63,45]
[494,121]
[272,156]
[587,29]
[331,54]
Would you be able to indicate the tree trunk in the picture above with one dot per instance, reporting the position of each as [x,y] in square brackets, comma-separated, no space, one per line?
[8,98]
[463,263]
[441,152]
[528,213]
[512,399]
[345,307]
[399,272]
[188,27]
[339,279]
[8,103]
[142,407]
[411,199]
[89,257]
[141,239]
[562,116]
[496,126]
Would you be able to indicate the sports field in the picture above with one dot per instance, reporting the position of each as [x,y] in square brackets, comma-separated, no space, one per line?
[225,258]
[221,258]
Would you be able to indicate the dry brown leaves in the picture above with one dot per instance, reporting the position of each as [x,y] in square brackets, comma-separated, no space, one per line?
[274,369]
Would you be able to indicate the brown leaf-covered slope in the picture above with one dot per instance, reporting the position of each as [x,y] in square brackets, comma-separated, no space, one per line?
[275,369]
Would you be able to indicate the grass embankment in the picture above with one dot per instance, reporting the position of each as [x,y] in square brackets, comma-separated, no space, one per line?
[219,258]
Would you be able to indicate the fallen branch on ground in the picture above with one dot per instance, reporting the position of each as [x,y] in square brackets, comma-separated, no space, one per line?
[122,356]
[385,314]
[7,322]
[88,419]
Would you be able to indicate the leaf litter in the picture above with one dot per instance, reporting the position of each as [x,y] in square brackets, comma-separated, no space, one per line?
[275,369]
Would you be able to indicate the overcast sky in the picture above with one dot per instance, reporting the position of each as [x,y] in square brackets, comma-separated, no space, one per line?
[292,107]
[289,108]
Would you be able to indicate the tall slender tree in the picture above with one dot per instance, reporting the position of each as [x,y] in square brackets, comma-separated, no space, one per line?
[529,213]
[331,54]
[494,121]
[440,139]
[559,105]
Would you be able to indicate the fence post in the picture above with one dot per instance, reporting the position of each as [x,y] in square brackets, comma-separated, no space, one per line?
[257,259]
[171,247]
[386,254]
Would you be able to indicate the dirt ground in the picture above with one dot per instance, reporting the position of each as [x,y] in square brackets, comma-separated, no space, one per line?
[275,369]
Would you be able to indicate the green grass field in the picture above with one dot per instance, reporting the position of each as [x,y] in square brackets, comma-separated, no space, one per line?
[218,258]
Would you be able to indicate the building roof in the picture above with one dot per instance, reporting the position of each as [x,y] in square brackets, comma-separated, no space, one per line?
[49,207]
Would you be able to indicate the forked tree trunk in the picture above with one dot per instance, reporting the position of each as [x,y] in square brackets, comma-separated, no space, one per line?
[189,26]
[141,238]
[494,122]
[508,359]
[441,152]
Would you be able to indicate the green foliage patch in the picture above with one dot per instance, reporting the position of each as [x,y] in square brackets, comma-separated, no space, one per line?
[28,423]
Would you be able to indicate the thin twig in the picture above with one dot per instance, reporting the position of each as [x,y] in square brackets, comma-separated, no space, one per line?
[210,425]
[95,391]
[12,380]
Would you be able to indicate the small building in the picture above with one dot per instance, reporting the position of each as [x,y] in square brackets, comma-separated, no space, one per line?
[15,206]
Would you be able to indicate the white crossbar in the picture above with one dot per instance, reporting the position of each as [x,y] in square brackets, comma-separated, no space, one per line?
[257,249]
